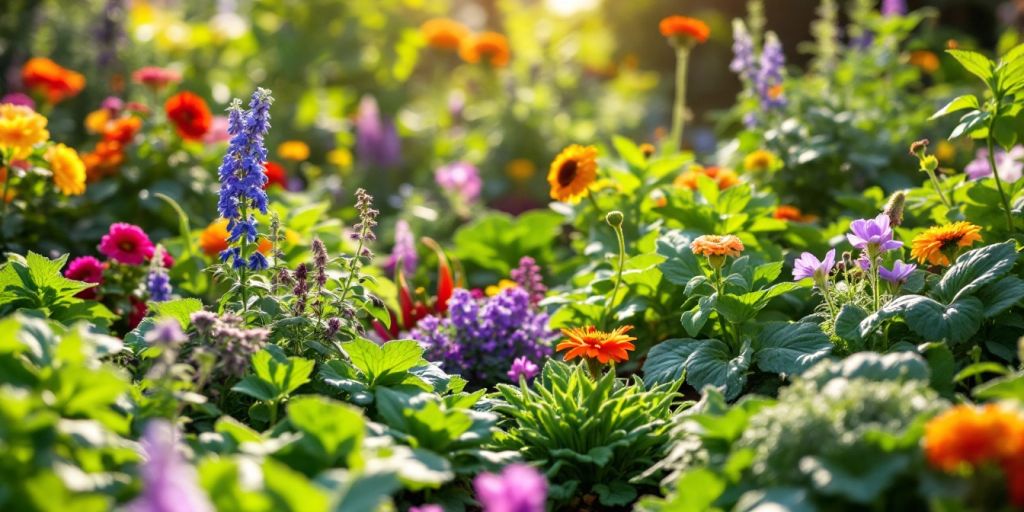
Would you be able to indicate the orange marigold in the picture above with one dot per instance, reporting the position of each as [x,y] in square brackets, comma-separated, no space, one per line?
[591,343]
[214,239]
[122,129]
[444,33]
[716,245]
[685,27]
[924,60]
[936,244]
[104,160]
[791,213]
[490,47]
[51,80]
[724,178]
[968,436]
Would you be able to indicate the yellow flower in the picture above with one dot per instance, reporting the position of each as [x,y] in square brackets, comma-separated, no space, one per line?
[293,150]
[21,128]
[760,160]
[520,169]
[936,244]
[340,157]
[572,172]
[945,151]
[68,170]
[97,120]
[495,289]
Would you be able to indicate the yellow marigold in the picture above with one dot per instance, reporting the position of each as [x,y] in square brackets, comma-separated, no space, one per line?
[591,343]
[970,436]
[68,169]
[572,172]
[647,149]
[520,169]
[938,243]
[444,34]
[684,27]
[924,60]
[760,160]
[96,121]
[945,151]
[490,47]
[716,245]
[495,289]
[293,150]
[21,128]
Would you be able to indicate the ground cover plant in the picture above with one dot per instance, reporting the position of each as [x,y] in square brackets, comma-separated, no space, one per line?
[507,256]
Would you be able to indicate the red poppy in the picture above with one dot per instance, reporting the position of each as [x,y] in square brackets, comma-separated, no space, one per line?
[275,175]
[189,114]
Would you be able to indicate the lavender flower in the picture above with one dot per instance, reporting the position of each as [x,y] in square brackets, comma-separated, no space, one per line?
[301,289]
[899,274]
[768,80]
[242,177]
[809,266]
[519,488]
[363,230]
[1009,164]
[528,277]
[427,508]
[873,234]
[168,481]
[461,179]
[743,62]
[167,333]
[894,7]
[522,367]
[404,252]
[158,284]
[377,142]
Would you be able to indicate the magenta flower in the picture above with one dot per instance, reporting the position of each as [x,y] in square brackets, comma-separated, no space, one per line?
[522,367]
[519,488]
[404,250]
[427,508]
[874,233]
[1009,164]
[809,266]
[461,179]
[894,7]
[86,269]
[126,243]
[168,481]
[156,77]
[218,131]
[899,274]
[18,98]
[377,142]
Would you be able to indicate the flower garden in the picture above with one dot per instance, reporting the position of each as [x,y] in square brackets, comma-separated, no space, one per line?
[510,256]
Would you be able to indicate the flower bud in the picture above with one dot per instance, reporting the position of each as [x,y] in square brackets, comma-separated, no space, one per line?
[894,208]
[614,218]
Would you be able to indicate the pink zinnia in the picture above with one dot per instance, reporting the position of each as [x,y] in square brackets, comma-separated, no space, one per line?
[86,269]
[218,131]
[126,243]
[155,76]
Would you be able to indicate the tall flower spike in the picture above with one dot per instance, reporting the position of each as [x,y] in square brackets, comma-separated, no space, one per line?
[768,81]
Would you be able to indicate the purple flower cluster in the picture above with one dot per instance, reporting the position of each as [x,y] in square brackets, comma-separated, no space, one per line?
[528,277]
[894,7]
[743,62]
[242,177]
[1009,164]
[158,284]
[481,337]
[377,142]
[763,74]
[232,344]
[169,483]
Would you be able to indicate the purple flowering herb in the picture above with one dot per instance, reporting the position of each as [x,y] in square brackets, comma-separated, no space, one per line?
[168,481]
[461,179]
[768,80]
[363,230]
[404,251]
[894,7]
[167,333]
[518,488]
[743,62]
[807,265]
[377,142]
[528,277]
[522,367]
[158,284]
[899,274]
[873,234]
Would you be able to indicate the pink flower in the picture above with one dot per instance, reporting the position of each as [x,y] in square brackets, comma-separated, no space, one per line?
[461,179]
[218,131]
[126,243]
[1009,164]
[17,98]
[155,76]
[86,269]
[518,488]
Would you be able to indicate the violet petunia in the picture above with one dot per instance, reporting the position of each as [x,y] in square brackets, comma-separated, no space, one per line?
[899,274]
[873,233]
[1009,164]
[807,265]
[519,488]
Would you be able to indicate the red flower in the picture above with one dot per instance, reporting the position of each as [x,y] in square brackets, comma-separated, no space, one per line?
[52,80]
[189,114]
[155,77]
[137,313]
[275,175]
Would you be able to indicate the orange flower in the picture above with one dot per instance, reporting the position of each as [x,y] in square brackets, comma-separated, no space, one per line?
[104,160]
[189,114]
[715,245]
[685,28]
[122,129]
[490,47]
[791,213]
[294,150]
[214,239]
[52,80]
[938,243]
[647,149]
[444,34]
[572,172]
[924,60]
[760,160]
[591,343]
[724,178]
[275,175]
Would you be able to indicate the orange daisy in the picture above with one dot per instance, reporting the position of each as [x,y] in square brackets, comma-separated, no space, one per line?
[936,244]
[214,239]
[591,343]
[444,34]
[685,28]
[490,47]
[715,245]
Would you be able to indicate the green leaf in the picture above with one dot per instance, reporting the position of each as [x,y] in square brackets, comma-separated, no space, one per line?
[897,366]
[693,321]
[337,428]
[615,494]
[790,348]
[1001,295]
[178,309]
[929,318]
[1004,131]
[1010,387]
[831,479]
[666,361]
[697,491]
[957,104]
[975,63]
[629,151]
[680,265]
[379,361]
[714,364]
[942,366]
[790,499]
[274,378]
[848,322]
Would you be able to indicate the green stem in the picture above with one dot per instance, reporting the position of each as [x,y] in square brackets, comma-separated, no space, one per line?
[874,277]
[999,181]
[595,368]
[679,107]
[242,282]
[828,300]
[719,291]
[938,189]
[618,276]
[590,196]
[3,208]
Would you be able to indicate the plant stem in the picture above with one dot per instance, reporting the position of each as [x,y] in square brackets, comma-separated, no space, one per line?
[618,276]
[595,368]
[938,190]
[3,208]
[721,320]
[679,107]
[999,181]
[242,284]
[874,277]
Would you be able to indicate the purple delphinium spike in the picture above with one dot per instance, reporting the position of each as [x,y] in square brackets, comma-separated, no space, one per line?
[158,284]
[522,367]
[807,265]
[899,274]
[743,62]
[768,80]
[168,481]
[528,277]
[894,7]
[874,233]
[404,251]
[377,142]
[518,488]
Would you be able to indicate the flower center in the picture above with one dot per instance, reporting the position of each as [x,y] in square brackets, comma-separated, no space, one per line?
[567,173]
[126,246]
[949,242]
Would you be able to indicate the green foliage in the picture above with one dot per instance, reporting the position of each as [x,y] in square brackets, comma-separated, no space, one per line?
[274,377]
[35,284]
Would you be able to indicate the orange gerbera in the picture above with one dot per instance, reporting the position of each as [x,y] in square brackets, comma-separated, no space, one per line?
[190,115]
[591,343]
[50,79]
[444,34]
[685,28]
[490,47]
[716,245]
[214,239]
[104,160]
[572,172]
[936,244]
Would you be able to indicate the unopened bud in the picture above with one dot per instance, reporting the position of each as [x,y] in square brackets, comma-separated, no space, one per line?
[894,208]
[614,218]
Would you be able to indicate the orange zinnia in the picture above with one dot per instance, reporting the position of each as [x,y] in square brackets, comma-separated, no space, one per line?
[190,115]
[123,129]
[682,26]
[936,244]
[791,213]
[491,47]
[715,245]
[969,436]
[104,160]
[591,343]
[52,80]
[724,178]
[214,239]
[444,34]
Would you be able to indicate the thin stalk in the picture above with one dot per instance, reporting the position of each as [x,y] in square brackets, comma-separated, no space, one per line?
[999,181]
[3,208]
[938,190]
[721,320]
[679,107]
[618,276]
[242,282]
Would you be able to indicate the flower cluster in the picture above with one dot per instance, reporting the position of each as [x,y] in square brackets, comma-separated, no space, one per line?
[722,177]
[518,488]
[228,340]
[481,338]
[449,36]
[461,180]
[762,74]
[528,277]
[117,123]
[377,142]
[403,255]
[52,81]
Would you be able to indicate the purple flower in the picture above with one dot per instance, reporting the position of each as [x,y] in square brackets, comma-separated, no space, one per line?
[377,142]
[768,80]
[168,481]
[894,7]
[528,277]
[522,367]
[113,104]
[743,63]
[809,266]
[461,179]
[18,98]
[1009,164]
[167,333]
[158,284]
[427,508]
[404,251]
[519,488]
[899,274]
[873,233]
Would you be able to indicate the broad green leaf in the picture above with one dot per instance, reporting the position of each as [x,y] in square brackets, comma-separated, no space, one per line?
[379,361]
[942,366]
[681,265]
[957,104]
[1000,295]
[1010,387]
[930,319]
[790,348]
[337,428]
[831,479]
[975,63]
[847,325]
[976,268]
[898,366]
[178,309]
[714,364]
[693,320]
[615,493]
[666,361]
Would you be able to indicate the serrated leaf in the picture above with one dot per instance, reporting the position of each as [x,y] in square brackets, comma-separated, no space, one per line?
[178,309]
[975,63]
[379,361]
[957,104]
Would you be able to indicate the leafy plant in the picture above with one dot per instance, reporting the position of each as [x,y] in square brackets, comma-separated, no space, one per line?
[35,283]
[274,377]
